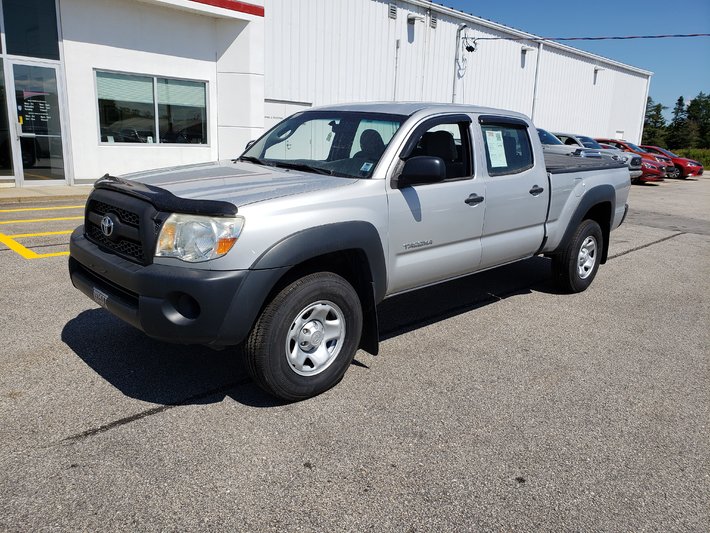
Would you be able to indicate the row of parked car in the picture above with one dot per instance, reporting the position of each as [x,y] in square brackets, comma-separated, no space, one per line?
[646,163]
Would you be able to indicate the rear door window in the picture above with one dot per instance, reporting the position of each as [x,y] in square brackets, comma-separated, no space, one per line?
[508,149]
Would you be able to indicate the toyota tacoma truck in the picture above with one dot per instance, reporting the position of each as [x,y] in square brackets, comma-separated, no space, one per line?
[286,251]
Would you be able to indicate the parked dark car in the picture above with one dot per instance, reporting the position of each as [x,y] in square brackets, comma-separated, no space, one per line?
[682,166]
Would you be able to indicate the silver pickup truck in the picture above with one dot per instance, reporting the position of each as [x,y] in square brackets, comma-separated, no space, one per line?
[287,250]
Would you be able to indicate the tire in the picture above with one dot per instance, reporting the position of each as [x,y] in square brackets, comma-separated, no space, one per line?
[675,173]
[289,353]
[575,268]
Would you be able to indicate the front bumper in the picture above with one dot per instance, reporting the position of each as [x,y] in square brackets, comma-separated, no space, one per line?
[689,172]
[171,303]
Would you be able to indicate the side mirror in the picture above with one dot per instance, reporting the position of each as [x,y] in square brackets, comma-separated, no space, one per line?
[422,169]
[249,145]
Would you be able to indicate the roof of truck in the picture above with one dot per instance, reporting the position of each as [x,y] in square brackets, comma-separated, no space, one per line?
[409,108]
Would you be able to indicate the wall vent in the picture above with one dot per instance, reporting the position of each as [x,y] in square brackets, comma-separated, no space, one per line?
[393,10]
[433,19]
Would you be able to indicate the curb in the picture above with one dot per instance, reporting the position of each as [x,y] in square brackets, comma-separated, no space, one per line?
[41,199]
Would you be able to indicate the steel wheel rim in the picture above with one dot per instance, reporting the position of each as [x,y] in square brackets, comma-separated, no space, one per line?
[315,338]
[587,257]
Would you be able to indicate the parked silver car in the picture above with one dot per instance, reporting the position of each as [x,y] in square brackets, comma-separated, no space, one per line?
[582,141]
[552,145]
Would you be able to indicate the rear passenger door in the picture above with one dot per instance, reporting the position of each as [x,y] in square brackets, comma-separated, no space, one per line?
[517,191]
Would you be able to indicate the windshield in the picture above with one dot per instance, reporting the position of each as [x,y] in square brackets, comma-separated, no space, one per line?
[667,152]
[338,143]
[588,142]
[636,148]
[547,138]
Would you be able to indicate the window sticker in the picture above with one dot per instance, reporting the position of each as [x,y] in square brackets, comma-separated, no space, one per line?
[366,167]
[496,149]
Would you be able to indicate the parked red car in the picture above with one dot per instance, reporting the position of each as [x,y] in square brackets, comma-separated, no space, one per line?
[682,166]
[626,146]
[651,169]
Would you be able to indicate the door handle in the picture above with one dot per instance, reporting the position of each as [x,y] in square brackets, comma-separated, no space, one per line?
[536,190]
[474,199]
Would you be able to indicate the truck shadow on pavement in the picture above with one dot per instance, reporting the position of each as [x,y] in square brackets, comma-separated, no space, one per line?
[172,374]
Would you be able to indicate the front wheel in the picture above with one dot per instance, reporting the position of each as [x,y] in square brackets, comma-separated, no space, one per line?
[674,172]
[575,268]
[306,337]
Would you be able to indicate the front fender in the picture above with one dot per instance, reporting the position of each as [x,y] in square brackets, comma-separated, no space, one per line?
[329,238]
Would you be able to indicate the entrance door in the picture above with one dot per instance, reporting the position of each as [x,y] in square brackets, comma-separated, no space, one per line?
[38,124]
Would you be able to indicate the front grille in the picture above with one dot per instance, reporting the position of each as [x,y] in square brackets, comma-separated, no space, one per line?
[132,219]
[124,247]
[135,225]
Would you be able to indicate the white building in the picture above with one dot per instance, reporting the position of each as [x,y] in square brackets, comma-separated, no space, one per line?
[118,86]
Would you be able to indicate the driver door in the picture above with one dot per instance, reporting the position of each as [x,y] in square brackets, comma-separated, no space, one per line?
[435,227]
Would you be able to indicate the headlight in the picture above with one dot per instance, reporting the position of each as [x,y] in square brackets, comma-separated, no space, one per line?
[692,164]
[196,238]
[648,165]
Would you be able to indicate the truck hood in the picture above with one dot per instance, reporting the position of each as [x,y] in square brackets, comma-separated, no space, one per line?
[237,183]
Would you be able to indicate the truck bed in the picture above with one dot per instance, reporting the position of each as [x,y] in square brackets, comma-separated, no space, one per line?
[562,164]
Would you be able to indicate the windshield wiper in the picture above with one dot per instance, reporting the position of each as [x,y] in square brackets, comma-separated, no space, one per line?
[250,159]
[304,167]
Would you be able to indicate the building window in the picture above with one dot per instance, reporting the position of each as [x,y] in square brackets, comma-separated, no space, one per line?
[147,109]
[31,28]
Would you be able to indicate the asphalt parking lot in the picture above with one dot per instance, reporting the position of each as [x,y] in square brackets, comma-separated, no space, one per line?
[495,403]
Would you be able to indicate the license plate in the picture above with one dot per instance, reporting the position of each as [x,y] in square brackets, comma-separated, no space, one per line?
[100,297]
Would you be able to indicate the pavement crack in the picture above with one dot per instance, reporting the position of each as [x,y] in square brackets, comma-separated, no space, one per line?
[637,248]
[150,412]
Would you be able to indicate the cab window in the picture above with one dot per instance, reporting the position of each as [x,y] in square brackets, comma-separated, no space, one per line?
[449,141]
[508,149]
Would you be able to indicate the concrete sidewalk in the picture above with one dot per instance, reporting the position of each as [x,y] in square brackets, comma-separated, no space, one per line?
[49,193]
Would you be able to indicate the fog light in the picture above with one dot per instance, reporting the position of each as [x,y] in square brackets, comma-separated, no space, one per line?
[179,306]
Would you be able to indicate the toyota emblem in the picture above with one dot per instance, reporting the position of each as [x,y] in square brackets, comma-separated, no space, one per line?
[107,226]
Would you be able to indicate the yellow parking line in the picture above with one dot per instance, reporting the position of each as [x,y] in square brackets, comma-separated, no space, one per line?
[43,234]
[27,220]
[23,252]
[41,208]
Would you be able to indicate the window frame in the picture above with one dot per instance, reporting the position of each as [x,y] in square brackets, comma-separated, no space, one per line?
[505,122]
[459,119]
[156,118]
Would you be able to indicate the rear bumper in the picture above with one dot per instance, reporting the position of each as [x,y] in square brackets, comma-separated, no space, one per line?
[171,303]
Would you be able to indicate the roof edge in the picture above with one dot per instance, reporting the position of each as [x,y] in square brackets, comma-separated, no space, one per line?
[521,34]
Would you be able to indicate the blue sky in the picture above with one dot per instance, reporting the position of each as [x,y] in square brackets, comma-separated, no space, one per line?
[681,67]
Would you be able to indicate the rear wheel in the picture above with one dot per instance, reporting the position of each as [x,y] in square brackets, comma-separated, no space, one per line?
[306,337]
[576,267]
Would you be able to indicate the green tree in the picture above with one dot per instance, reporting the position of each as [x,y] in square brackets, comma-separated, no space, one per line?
[680,132]
[654,125]
[698,116]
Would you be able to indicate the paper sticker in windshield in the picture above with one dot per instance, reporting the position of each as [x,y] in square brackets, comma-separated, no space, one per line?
[496,149]
[366,167]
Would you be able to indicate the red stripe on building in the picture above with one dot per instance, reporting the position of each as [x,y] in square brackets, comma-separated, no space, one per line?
[234,5]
